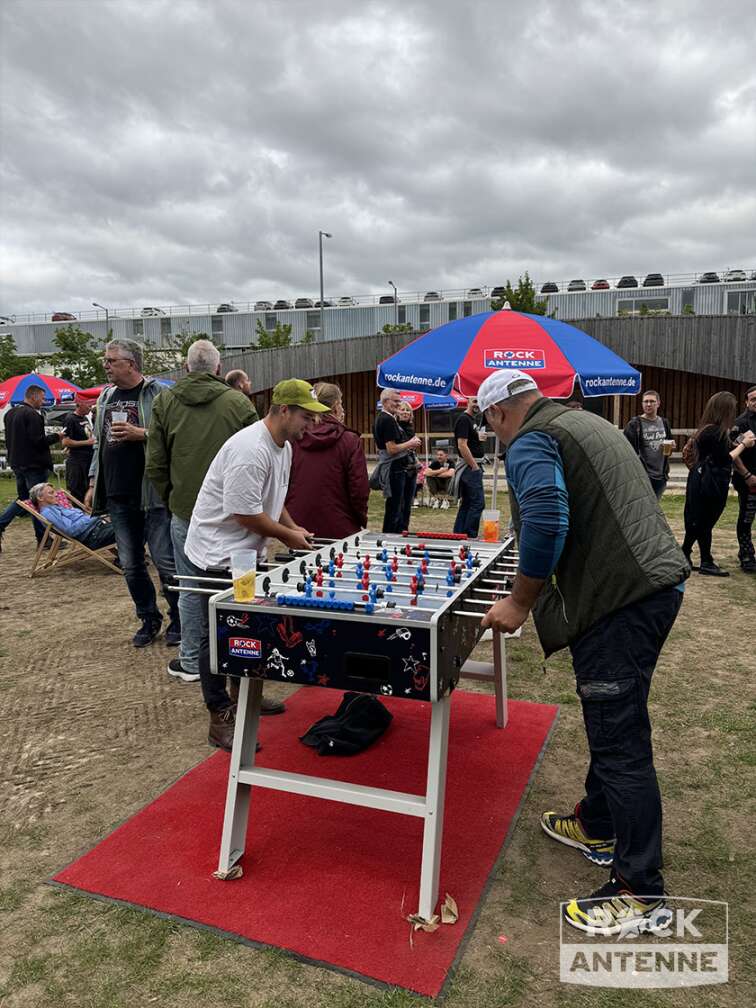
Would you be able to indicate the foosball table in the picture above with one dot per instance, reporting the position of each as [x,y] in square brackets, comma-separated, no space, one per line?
[388,614]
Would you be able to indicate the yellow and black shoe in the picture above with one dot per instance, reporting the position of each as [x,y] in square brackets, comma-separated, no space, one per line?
[567,830]
[613,909]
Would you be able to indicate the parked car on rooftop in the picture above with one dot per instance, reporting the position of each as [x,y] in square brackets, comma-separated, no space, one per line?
[709,278]
[576,285]
[263,306]
[303,302]
[225,308]
[387,299]
[498,292]
[152,312]
[734,276]
[324,304]
[547,288]
[346,301]
[600,285]
[627,281]
[475,292]
[432,296]
[63,316]
[282,305]
[7,319]
[654,280]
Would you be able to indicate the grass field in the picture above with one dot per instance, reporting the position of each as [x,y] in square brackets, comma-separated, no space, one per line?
[93,730]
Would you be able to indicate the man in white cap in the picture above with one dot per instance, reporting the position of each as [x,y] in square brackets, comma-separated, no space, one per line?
[603,575]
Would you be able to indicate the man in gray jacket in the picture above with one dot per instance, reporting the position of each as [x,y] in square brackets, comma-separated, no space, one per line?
[118,486]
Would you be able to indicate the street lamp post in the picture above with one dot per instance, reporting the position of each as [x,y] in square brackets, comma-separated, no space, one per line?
[95,305]
[396,303]
[321,236]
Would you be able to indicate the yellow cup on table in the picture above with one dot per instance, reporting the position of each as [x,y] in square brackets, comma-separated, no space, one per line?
[243,568]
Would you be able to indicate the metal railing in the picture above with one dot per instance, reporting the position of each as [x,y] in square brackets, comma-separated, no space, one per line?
[362,300]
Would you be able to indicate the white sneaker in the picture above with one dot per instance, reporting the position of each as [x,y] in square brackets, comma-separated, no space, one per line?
[434,502]
[445,505]
[176,669]
[415,503]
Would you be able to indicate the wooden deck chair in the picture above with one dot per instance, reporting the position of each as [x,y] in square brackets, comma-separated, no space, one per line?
[64,549]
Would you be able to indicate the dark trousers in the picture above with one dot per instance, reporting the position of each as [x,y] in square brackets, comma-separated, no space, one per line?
[746,514]
[214,691]
[398,506]
[614,662]
[99,535]
[77,474]
[25,480]
[659,483]
[133,528]
[471,503]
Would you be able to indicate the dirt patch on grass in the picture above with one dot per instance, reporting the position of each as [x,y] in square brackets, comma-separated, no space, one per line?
[94,729]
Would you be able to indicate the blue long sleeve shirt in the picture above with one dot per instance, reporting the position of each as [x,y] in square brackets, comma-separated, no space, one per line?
[69,520]
[535,475]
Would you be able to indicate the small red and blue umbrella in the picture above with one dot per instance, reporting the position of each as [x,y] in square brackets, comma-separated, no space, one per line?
[460,354]
[57,390]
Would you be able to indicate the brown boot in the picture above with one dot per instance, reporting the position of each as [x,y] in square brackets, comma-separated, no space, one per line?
[222,724]
[266,706]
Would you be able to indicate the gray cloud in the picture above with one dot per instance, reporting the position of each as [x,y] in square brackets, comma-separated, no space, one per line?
[181,152]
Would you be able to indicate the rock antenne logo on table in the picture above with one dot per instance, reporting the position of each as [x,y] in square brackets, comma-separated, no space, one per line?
[518,360]
[244,647]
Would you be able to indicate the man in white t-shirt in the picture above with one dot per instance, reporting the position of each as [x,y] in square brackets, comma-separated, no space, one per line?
[240,506]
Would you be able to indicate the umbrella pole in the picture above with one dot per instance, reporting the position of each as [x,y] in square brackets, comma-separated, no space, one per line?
[427,439]
[616,411]
[495,473]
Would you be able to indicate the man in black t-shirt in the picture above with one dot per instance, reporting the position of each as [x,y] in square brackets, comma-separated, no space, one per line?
[78,439]
[438,476]
[471,450]
[118,486]
[391,441]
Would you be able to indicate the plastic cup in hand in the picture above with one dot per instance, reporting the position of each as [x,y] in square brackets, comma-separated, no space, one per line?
[243,567]
[491,526]
[668,446]
[119,416]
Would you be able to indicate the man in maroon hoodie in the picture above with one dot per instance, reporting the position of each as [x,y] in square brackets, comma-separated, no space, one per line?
[328,485]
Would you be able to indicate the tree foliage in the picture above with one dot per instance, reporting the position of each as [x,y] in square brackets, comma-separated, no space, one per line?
[278,337]
[171,352]
[391,327]
[78,357]
[10,362]
[522,298]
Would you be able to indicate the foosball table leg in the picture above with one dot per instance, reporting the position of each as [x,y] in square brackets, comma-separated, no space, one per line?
[434,807]
[242,758]
[500,678]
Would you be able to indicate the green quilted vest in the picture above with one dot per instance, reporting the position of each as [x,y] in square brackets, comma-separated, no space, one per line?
[619,547]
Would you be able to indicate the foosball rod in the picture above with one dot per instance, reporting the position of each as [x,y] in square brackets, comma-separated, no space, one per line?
[474,615]
[386,596]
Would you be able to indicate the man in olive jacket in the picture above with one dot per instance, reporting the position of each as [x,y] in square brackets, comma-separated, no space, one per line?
[603,575]
[189,424]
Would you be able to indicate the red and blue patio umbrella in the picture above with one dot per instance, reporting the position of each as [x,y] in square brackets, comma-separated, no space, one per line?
[423,400]
[459,355]
[93,393]
[57,390]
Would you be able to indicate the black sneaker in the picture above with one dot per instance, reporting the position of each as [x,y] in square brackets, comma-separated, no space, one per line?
[712,570]
[613,909]
[748,566]
[173,634]
[146,633]
[176,669]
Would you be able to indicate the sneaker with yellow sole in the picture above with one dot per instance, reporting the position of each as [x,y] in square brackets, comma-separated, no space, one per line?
[567,830]
[614,909]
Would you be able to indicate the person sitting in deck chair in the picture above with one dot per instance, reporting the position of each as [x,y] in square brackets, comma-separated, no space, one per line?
[93,532]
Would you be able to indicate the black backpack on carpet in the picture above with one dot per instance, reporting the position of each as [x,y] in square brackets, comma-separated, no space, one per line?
[359,721]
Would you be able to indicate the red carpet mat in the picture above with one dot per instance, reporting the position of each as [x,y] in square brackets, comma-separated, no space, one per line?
[324,880]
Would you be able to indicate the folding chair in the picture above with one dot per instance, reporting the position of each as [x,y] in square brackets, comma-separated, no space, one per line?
[54,556]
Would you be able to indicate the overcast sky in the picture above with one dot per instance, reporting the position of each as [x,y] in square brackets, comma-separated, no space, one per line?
[160,152]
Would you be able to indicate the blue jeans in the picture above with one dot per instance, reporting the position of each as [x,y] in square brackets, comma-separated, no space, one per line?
[471,503]
[190,605]
[133,528]
[614,661]
[25,480]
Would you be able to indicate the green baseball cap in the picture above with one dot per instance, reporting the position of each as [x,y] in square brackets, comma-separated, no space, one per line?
[295,392]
